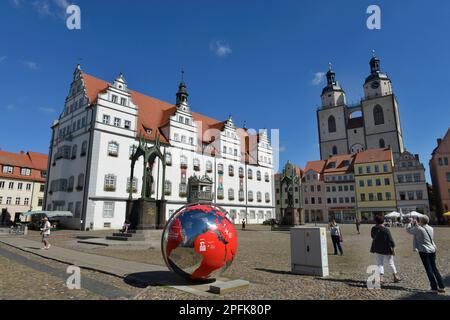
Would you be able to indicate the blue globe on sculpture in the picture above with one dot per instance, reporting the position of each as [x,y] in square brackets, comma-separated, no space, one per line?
[199,242]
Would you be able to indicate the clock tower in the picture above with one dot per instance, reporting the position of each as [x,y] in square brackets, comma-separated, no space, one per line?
[381,112]
[377,83]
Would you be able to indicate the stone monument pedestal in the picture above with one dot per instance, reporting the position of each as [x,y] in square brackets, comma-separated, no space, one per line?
[146,214]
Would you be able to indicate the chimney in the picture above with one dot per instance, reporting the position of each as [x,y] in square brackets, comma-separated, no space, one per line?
[21,152]
[417,157]
[439,142]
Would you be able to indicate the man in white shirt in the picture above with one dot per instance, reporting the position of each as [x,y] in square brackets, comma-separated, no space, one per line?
[45,232]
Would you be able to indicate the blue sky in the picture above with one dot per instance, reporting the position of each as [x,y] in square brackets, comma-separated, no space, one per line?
[254,59]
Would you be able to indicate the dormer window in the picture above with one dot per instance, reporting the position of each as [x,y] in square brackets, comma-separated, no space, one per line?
[25,172]
[186,121]
[8,169]
[123,101]
[114,98]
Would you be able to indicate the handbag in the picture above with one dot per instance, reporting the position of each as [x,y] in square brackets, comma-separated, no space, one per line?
[392,251]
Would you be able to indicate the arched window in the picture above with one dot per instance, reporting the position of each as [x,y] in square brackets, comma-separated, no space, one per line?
[209,167]
[331,124]
[183,162]
[220,168]
[250,196]
[113,149]
[266,177]
[378,115]
[250,174]
[71,183]
[83,148]
[335,150]
[80,183]
[259,196]
[241,172]
[167,188]
[230,194]
[196,164]
[382,143]
[258,175]
[74,151]
[267,196]
[230,170]
[168,159]
[132,185]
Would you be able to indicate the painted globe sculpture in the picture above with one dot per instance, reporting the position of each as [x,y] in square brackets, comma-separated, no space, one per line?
[199,242]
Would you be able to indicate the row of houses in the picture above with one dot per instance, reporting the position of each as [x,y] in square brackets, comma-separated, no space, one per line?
[22,182]
[346,187]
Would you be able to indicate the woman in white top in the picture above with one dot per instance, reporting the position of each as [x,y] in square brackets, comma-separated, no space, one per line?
[424,243]
[45,232]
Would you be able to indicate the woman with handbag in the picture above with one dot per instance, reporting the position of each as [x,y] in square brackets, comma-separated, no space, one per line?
[383,246]
[336,237]
[424,243]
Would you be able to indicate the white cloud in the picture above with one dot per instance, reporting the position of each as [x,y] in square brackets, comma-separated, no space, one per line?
[55,8]
[42,7]
[31,65]
[16,3]
[3,58]
[220,48]
[10,107]
[318,78]
[47,110]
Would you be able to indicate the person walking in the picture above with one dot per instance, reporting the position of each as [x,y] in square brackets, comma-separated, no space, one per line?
[45,232]
[243,224]
[336,237]
[424,244]
[357,223]
[383,246]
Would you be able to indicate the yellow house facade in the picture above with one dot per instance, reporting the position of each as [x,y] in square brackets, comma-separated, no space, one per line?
[374,181]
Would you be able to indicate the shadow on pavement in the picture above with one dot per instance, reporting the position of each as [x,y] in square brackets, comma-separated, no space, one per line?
[158,278]
[273,271]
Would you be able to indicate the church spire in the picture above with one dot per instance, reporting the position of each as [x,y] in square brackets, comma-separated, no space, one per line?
[182,94]
[374,63]
[331,75]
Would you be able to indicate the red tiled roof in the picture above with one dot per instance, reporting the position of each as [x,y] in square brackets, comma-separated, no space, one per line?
[35,161]
[340,166]
[155,114]
[374,155]
[316,166]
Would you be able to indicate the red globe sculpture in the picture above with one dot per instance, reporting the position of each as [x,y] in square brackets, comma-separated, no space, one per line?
[199,242]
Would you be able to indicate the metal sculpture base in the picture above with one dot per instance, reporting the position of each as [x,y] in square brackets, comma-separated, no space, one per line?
[146,214]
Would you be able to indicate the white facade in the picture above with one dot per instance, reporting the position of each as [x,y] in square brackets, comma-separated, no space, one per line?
[410,184]
[111,130]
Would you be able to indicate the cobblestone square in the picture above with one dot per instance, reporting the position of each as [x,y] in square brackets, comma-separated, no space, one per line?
[263,259]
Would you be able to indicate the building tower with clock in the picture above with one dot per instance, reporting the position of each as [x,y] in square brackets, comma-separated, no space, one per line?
[374,122]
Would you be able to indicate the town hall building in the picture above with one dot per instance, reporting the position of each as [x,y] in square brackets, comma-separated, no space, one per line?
[100,128]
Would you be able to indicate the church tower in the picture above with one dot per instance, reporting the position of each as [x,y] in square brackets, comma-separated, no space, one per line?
[380,110]
[331,118]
